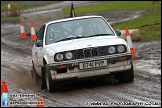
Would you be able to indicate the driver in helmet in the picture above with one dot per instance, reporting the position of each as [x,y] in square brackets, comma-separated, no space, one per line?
[56,34]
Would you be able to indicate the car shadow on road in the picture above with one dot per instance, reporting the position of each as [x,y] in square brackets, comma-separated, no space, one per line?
[88,84]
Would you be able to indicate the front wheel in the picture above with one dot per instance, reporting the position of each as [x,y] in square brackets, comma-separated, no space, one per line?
[127,76]
[51,85]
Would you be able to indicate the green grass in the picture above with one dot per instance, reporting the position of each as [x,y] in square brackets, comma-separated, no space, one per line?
[112,7]
[148,25]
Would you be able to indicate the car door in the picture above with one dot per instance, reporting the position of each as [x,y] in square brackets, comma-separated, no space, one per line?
[39,53]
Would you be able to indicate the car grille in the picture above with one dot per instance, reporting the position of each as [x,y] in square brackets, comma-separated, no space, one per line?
[90,52]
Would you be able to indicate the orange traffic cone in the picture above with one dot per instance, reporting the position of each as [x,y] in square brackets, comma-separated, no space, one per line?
[33,35]
[40,102]
[129,41]
[3,87]
[23,34]
[9,7]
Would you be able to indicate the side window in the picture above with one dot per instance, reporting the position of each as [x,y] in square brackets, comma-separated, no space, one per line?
[41,33]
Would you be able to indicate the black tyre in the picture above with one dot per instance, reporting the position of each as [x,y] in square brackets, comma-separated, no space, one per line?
[127,76]
[51,85]
[35,75]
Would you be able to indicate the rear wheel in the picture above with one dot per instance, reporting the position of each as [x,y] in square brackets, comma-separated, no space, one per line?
[51,85]
[34,74]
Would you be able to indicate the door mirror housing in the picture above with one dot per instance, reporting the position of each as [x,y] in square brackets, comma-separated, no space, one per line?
[118,32]
[39,43]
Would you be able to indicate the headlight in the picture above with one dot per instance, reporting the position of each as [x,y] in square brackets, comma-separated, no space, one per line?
[121,48]
[111,50]
[69,55]
[59,56]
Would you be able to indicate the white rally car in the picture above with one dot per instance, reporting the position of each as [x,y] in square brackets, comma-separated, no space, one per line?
[76,55]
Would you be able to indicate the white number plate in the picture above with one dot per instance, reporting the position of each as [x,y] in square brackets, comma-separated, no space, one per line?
[92,64]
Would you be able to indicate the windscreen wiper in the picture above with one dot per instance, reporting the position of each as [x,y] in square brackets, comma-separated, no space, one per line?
[70,38]
[99,35]
[78,37]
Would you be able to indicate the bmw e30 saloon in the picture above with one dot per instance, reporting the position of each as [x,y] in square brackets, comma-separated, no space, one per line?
[79,48]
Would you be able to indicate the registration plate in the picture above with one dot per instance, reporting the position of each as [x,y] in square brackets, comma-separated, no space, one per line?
[92,64]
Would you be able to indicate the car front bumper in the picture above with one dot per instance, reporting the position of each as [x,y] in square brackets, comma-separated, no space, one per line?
[73,71]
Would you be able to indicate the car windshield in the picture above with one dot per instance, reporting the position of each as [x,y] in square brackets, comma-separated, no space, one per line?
[77,29]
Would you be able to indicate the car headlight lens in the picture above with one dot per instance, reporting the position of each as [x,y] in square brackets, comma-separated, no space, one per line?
[59,56]
[111,50]
[121,48]
[69,55]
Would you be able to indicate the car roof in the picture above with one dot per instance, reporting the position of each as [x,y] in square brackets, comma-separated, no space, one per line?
[73,18]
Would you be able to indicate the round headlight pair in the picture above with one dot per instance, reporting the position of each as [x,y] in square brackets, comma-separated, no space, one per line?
[112,49]
[60,56]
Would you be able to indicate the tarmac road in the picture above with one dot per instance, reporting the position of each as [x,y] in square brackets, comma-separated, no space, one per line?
[145,90]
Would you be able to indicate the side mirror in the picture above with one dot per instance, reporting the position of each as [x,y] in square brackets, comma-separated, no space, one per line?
[118,33]
[39,43]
